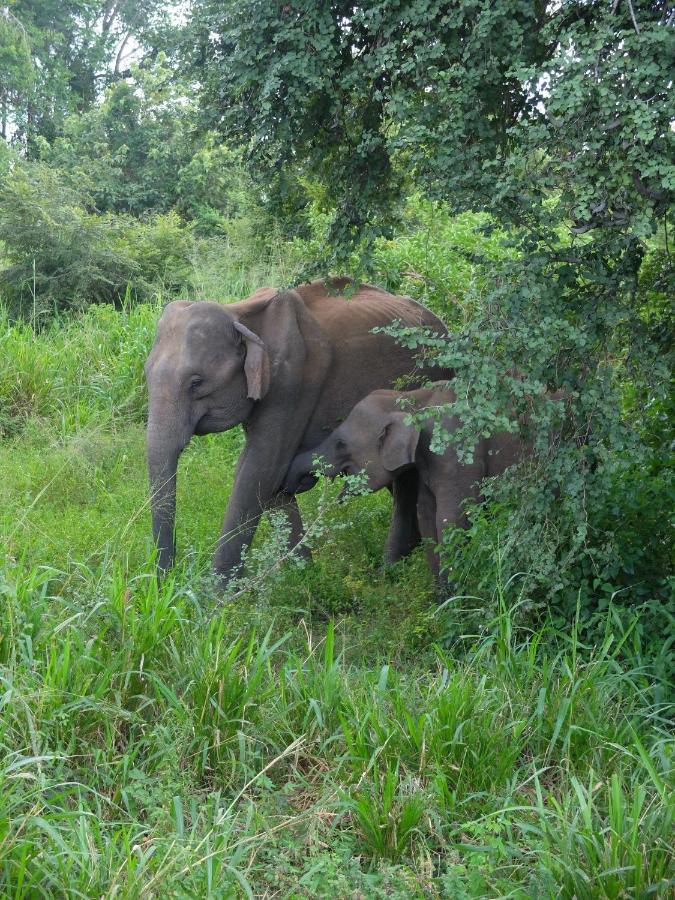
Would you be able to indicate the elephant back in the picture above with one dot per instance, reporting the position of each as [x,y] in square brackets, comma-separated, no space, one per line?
[362,361]
[338,307]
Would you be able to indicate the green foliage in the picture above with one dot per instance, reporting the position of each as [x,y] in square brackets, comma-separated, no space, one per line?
[16,65]
[138,152]
[63,52]
[387,818]
[327,729]
[41,377]
[512,117]
[140,714]
[441,260]
[591,840]
[102,216]
[215,191]
[129,148]
[619,550]
[304,734]
[64,256]
[353,79]
[555,121]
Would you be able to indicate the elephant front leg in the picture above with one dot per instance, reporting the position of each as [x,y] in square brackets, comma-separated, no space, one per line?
[252,491]
[404,533]
[239,526]
[255,490]
[426,512]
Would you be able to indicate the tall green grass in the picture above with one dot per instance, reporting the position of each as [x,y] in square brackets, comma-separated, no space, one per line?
[332,731]
[156,748]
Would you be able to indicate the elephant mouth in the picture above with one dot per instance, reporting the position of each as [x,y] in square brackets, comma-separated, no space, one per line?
[308,480]
[217,420]
[209,425]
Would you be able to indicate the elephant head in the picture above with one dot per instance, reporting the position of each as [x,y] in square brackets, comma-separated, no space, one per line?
[374,438]
[205,372]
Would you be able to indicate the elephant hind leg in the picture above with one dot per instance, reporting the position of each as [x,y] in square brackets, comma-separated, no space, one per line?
[404,533]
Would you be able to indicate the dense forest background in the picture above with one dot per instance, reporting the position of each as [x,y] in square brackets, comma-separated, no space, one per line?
[508,163]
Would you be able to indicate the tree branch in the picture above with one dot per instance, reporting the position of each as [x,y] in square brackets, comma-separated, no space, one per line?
[644,191]
[632,15]
[109,13]
[10,17]
[120,52]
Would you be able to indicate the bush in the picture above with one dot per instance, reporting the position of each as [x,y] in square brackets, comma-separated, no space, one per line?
[62,255]
[163,249]
[213,187]
[591,521]
[601,540]
[440,259]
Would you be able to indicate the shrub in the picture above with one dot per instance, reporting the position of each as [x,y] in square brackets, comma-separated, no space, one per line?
[440,259]
[63,255]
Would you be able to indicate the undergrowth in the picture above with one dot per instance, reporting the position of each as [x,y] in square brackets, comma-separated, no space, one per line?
[156,743]
[331,730]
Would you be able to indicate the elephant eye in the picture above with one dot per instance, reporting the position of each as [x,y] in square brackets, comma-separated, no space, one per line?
[340,445]
[195,383]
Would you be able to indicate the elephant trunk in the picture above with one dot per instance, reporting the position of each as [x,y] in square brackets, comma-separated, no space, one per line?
[300,477]
[164,448]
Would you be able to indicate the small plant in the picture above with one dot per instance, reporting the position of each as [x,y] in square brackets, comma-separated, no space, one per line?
[225,687]
[388,812]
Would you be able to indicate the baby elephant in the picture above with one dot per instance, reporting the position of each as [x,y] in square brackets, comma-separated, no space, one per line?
[375,438]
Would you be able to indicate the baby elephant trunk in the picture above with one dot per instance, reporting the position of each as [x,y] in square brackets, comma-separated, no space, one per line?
[300,477]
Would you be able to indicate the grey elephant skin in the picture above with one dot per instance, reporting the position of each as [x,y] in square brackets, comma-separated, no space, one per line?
[288,365]
[375,439]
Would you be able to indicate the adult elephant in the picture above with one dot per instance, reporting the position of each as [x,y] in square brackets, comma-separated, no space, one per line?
[288,365]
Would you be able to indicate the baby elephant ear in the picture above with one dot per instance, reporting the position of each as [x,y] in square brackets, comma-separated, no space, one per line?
[399,443]
[257,364]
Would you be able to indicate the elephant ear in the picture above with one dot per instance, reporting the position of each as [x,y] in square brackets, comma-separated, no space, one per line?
[398,443]
[257,364]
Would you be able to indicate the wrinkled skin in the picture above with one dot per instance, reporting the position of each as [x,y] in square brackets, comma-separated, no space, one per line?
[288,366]
[376,440]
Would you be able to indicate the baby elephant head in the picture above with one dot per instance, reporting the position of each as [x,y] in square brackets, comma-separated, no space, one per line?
[374,439]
